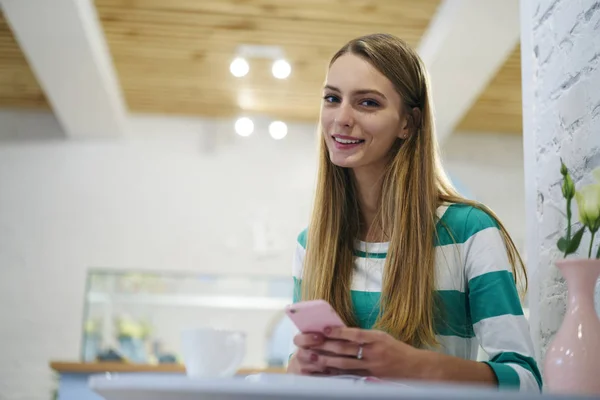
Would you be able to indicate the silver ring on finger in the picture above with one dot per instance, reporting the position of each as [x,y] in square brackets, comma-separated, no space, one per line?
[359,354]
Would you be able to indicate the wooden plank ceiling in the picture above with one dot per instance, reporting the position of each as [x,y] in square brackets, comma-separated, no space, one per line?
[499,107]
[173,57]
[18,85]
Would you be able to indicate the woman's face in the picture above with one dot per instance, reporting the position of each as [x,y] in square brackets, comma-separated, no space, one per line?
[361,114]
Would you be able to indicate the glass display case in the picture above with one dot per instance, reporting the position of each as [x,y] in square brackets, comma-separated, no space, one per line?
[138,316]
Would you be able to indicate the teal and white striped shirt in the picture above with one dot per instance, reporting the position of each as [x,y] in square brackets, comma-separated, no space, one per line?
[475,285]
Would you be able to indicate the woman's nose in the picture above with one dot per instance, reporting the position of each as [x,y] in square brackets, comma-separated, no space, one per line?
[344,117]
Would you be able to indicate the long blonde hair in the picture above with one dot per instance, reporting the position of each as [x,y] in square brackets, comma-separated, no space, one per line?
[414,184]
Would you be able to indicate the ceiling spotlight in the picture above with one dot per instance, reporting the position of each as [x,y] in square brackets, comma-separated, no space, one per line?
[278,130]
[281,69]
[239,67]
[244,126]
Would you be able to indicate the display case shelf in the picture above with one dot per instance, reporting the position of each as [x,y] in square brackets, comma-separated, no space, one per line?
[139,316]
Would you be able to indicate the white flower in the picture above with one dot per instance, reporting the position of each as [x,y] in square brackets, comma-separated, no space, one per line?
[588,202]
[596,174]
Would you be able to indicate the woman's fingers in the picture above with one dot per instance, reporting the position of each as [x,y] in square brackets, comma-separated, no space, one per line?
[308,340]
[307,362]
[318,363]
[355,335]
[339,348]
[305,356]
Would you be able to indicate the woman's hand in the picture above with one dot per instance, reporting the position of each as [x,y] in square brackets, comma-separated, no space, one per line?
[338,351]
[303,360]
[362,352]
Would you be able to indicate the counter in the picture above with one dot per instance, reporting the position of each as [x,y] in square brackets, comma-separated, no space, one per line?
[73,376]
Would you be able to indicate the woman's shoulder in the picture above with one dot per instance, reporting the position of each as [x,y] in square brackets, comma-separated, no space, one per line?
[457,222]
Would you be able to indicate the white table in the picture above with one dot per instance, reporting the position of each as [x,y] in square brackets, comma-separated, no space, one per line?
[285,387]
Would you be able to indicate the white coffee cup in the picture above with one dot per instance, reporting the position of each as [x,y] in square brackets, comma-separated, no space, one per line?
[211,352]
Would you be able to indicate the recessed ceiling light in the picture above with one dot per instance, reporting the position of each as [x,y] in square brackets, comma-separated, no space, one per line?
[239,67]
[278,130]
[244,126]
[281,69]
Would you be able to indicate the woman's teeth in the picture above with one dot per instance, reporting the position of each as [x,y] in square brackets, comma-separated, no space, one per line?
[346,141]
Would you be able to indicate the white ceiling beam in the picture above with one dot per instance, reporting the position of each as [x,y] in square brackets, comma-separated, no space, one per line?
[465,45]
[65,47]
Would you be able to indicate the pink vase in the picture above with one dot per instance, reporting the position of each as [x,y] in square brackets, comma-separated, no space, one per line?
[572,361]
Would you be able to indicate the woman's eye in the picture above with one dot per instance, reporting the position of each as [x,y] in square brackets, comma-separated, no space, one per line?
[369,103]
[331,99]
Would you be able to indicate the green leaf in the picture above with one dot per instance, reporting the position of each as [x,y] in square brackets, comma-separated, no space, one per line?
[562,244]
[574,244]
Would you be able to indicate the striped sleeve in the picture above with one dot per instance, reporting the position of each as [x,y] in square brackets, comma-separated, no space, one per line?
[497,316]
[298,264]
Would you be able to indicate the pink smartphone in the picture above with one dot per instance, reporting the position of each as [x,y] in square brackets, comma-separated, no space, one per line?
[313,316]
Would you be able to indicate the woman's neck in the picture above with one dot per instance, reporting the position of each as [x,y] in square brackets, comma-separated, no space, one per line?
[368,183]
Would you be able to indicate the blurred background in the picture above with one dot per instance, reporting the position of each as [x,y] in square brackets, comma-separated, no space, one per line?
[157,161]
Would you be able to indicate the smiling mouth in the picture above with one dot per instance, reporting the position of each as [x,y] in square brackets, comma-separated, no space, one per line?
[347,141]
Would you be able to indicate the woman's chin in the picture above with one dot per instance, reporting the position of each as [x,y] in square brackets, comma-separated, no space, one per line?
[343,162]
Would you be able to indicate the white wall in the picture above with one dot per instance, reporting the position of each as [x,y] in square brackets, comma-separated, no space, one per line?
[153,200]
[561,86]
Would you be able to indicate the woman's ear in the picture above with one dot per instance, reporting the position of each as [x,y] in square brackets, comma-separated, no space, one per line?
[411,123]
[405,130]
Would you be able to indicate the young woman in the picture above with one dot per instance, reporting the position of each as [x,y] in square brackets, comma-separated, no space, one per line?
[420,275]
